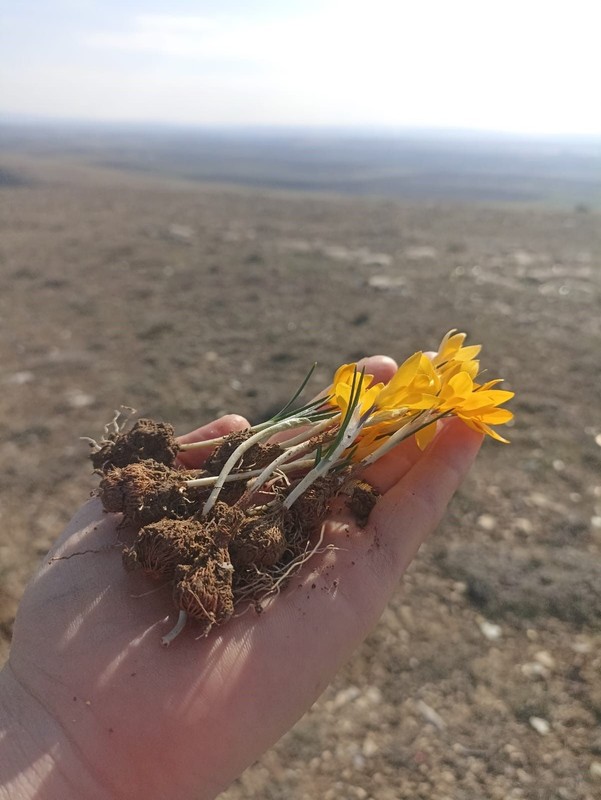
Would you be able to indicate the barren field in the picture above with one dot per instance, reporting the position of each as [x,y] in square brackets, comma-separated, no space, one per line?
[483,678]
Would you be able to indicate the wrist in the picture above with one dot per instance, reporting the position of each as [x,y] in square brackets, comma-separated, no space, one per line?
[36,758]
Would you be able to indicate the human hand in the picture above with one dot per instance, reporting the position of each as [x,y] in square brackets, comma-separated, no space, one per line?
[94,707]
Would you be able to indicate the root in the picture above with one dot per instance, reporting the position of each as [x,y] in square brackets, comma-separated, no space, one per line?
[105,549]
[270,583]
[176,630]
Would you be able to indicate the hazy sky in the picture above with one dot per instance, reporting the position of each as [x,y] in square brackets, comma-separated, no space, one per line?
[513,65]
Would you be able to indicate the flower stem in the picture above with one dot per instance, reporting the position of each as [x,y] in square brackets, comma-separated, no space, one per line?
[265,433]
[176,630]
[328,461]
[302,444]
[243,476]
[403,433]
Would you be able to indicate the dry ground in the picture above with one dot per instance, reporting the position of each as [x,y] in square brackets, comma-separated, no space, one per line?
[187,301]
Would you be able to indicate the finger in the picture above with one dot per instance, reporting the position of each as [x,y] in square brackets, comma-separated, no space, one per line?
[390,468]
[193,459]
[381,367]
[412,508]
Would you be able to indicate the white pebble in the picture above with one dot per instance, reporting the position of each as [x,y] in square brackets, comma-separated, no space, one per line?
[545,658]
[487,522]
[490,631]
[540,725]
[430,715]
[532,669]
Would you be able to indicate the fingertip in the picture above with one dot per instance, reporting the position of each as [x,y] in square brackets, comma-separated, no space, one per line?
[232,422]
[229,423]
[381,367]
[219,427]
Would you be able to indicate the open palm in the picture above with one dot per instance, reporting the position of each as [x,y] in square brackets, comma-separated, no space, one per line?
[122,717]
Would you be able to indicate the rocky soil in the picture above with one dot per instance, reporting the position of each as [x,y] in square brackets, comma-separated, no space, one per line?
[483,678]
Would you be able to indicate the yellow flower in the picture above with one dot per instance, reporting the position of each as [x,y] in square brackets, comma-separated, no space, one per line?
[477,406]
[414,386]
[424,436]
[422,391]
[342,387]
[451,349]
[371,438]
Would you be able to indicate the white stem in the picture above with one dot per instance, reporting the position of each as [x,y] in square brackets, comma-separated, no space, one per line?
[220,439]
[278,462]
[325,464]
[311,432]
[265,433]
[403,433]
[176,630]
[243,476]
[197,445]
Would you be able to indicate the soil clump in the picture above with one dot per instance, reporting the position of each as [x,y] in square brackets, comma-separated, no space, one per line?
[243,548]
[146,440]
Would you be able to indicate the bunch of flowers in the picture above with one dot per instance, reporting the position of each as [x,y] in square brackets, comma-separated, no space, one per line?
[358,421]
[236,530]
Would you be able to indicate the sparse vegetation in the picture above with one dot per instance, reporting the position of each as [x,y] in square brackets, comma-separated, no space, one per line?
[86,267]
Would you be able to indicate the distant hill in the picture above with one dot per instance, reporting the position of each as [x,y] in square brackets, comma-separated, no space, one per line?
[411,165]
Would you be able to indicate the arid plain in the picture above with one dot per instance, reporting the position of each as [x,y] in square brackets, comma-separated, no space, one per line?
[186,301]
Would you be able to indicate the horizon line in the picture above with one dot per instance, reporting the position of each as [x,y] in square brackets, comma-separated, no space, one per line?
[32,120]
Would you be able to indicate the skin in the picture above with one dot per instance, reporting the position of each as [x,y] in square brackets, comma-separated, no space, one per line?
[91,705]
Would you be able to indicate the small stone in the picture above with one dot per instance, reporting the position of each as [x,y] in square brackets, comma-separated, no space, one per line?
[559,465]
[370,748]
[386,282]
[369,259]
[533,669]
[487,522]
[373,695]
[358,761]
[421,253]
[523,525]
[595,770]
[596,523]
[545,658]
[20,378]
[523,776]
[180,233]
[598,439]
[583,646]
[522,258]
[79,399]
[540,500]
[345,696]
[490,631]
[540,725]
[430,715]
